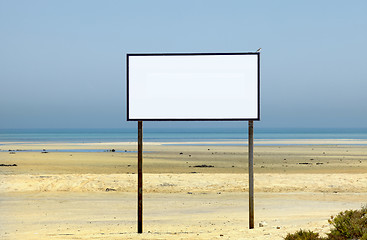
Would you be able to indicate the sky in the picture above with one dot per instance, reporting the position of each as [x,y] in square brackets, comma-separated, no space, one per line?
[62,63]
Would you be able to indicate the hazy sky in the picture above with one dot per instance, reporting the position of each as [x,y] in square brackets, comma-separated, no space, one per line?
[62,63]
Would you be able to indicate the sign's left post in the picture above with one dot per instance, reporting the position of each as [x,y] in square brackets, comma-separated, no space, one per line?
[140,177]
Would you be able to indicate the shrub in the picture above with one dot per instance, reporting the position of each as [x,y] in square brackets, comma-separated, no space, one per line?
[347,225]
[350,224]
[303,235]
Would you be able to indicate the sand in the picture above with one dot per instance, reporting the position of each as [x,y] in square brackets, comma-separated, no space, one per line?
[62,195]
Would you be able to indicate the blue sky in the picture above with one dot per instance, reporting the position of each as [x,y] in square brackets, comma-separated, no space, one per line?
[63,62]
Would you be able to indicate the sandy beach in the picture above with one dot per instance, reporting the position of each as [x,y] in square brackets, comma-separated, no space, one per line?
[191,190]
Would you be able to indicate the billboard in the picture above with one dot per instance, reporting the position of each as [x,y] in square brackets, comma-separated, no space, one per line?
[193,87]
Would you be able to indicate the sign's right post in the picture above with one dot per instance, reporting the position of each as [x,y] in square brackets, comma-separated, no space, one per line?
[251,172]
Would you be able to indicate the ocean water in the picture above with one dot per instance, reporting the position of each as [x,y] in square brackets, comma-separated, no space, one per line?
[173,134]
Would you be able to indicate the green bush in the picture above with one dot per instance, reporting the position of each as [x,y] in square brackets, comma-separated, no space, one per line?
[303,235]
[347,225]
[350,224]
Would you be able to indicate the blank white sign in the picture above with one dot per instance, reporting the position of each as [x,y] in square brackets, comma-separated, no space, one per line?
[193,86]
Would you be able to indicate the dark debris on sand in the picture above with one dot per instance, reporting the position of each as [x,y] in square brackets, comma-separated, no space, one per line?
[204,166]
[8,165]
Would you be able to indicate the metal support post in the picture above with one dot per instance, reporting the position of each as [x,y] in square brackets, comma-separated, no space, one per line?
[251,172]
[140,177]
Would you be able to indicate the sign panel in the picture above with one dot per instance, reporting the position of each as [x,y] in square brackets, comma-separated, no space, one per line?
[193,87]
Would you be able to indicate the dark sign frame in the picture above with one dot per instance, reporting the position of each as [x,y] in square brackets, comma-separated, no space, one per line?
[192,119]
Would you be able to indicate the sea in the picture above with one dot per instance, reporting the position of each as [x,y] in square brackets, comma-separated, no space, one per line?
[175,134]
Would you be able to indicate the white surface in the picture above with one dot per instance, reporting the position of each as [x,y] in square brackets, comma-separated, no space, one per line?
[193,87]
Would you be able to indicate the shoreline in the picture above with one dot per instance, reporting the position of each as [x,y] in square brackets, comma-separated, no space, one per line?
[265,142]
